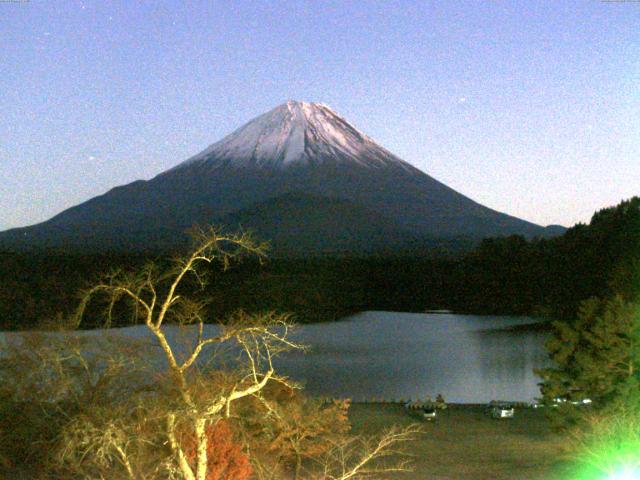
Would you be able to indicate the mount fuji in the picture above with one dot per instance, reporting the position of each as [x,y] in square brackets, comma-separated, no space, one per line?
[300,176]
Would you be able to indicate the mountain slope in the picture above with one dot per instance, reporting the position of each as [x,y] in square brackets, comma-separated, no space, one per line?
[298,223]
[296,148]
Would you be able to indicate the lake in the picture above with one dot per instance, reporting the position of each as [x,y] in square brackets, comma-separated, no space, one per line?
[393,356]
[390,355]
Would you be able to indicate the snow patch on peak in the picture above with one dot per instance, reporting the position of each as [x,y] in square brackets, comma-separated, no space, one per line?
[295,133]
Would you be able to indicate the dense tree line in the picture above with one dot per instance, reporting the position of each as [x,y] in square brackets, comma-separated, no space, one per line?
[508,275]
[593,379]
[553,276]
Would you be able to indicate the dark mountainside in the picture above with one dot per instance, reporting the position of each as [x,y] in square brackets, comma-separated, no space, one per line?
[300,176]
[507,275]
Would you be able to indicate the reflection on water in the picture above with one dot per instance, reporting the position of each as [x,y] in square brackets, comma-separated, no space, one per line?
[392,355]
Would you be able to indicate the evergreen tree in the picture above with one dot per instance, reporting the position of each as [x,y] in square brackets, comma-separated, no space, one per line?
[595,357]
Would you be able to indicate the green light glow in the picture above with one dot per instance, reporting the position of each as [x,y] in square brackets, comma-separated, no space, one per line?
[609,449]
[627,473]
[619,472]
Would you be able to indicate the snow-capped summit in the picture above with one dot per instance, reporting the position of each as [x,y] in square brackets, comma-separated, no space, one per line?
[300,176]
[300,133]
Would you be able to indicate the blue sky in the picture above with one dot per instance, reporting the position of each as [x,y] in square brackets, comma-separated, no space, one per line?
[531,108]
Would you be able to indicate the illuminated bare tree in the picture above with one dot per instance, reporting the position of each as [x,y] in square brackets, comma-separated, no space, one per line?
[358,458]
[164,426]
[155,298]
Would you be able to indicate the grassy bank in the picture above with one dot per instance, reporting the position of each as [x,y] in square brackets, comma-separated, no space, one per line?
[466,443]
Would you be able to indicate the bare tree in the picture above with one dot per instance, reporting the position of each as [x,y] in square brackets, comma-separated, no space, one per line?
[131,422]
[50,385]
[359,458]
[155,298]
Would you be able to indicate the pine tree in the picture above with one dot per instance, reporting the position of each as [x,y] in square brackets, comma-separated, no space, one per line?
[596,357]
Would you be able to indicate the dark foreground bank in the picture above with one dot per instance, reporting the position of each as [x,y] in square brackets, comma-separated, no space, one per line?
[465,443]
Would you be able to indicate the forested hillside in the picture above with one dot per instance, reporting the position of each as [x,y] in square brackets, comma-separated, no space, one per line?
[508,275]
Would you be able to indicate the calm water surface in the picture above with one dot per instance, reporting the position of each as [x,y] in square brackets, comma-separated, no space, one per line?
[467,358]
[393,356]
